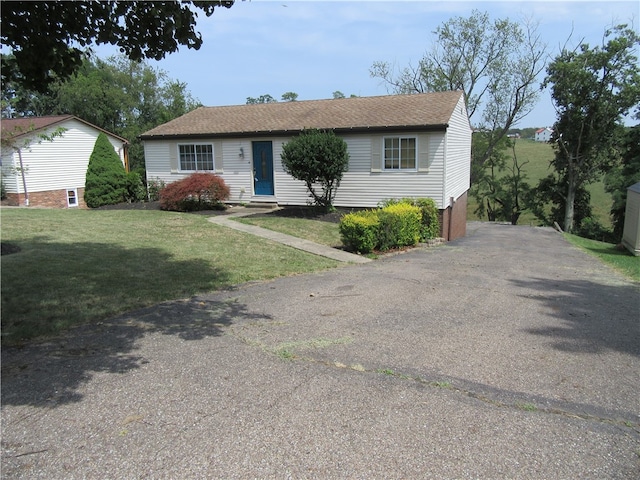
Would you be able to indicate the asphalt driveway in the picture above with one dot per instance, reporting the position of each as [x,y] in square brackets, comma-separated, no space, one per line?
[505,354]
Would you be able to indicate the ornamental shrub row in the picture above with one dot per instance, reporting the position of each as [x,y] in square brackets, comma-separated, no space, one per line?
[397,223]
[430,224]
[359,231]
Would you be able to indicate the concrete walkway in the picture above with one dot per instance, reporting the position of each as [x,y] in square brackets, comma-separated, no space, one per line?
[295,242]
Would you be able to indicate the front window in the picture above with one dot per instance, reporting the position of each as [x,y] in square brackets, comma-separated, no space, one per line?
[195,157]
[400,153]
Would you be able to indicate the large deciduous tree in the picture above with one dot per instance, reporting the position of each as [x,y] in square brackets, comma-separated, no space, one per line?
[48,39]
[495,63]
[593,88]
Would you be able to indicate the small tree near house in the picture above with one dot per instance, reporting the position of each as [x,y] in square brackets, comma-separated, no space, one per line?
[106,182]
[319,159]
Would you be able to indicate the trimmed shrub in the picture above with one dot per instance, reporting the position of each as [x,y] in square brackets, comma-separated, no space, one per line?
[154,187]
[399,226]
[318,158]
[106,181]
[199,191]
[359,231]
[135,191]
[430,224]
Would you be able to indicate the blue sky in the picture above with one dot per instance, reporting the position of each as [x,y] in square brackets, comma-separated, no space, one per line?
[314,48]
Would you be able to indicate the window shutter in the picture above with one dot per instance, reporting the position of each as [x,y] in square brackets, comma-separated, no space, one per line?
[217,157]
[173,157]
[423,153]
[376,154]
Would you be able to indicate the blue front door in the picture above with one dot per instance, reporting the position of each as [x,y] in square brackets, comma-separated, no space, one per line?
[263,168]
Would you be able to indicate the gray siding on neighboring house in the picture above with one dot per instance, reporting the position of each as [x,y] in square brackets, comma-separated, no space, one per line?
[631,230]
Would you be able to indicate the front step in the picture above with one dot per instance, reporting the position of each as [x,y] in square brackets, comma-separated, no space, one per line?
[268,205]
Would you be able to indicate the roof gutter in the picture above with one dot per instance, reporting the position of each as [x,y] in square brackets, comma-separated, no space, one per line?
[288,133]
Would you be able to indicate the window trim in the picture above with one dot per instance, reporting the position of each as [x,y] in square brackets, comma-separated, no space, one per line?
[74,192]
[416,159]
[195,144]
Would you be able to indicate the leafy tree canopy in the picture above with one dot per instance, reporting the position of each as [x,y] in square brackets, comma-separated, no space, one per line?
[289,97]
[120,95]
[593,88]
[266,98]
[47,39]
[495,62]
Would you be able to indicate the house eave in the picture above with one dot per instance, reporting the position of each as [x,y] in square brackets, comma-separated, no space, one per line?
[289,133]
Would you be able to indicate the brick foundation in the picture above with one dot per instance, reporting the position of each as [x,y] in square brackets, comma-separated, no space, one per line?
[48,199]
[453,219]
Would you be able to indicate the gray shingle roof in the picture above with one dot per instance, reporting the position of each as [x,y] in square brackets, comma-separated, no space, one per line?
[418,111]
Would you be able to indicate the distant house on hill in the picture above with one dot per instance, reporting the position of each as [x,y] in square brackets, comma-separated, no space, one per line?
[543,134]
[399,146]
[55,171]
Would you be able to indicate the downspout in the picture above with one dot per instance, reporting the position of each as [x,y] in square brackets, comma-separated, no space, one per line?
[444,188]
[24,179]
[452,202]
[125,156]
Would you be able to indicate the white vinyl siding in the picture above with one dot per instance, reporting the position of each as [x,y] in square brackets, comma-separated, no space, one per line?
[439,166]
[458,153]
[364,186]
[60,164]
[361,186]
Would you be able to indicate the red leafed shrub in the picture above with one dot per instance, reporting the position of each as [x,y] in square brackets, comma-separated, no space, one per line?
[199,191]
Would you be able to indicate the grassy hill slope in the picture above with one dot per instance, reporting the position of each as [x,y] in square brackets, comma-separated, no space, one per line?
[539,154]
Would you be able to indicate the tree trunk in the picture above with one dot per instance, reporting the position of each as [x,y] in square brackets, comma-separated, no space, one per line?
[491,213]
[570,201]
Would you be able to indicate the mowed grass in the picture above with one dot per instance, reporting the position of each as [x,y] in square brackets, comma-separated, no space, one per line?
[538,155]
[325,233]
[619,258]
[79,266]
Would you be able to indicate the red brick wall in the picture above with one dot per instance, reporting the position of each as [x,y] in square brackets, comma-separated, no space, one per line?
[453,219]
[49,199]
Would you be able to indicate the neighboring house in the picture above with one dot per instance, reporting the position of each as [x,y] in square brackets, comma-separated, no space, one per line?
[55,169]
[543,134]
[631,232]
[399,146]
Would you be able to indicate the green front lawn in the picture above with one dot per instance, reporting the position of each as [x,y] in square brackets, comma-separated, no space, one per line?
[79,266]
[325,233]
